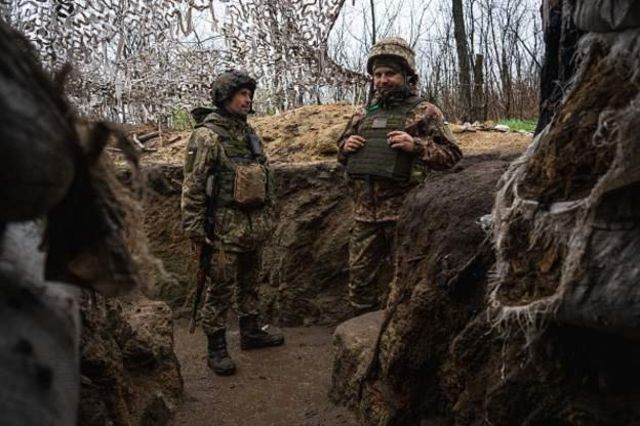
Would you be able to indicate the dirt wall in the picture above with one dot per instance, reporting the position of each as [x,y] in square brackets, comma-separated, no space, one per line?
[305,260]
[541,325]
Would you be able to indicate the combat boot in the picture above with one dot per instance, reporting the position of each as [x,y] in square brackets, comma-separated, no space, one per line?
[253,336]
[218,358]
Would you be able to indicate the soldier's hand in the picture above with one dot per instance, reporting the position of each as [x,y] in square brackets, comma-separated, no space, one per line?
[353,143]
[401,140]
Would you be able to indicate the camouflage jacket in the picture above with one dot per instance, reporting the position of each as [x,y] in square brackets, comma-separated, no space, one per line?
[436,149]
[235,229]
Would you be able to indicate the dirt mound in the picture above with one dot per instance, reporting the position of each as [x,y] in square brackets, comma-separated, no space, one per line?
[304,134]
[309,133]
[539,326]
[443,259]
[503,145]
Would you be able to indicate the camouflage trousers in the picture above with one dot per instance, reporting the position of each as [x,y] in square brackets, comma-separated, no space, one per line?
[371,249]
[233,283]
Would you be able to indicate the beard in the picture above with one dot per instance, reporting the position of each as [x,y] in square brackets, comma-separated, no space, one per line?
[401,90]
[388,88]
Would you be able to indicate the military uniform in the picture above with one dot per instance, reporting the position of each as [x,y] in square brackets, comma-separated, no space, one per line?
[377,201]
[238,232]
[226,196]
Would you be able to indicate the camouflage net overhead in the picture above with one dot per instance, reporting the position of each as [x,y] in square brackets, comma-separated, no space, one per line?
[285,44]
[141,61]
[65,29]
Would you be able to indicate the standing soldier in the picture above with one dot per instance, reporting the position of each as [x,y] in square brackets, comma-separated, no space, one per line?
[386,147]
[227,189]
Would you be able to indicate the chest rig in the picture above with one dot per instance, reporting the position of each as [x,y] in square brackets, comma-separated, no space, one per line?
[241,178]
[376,159]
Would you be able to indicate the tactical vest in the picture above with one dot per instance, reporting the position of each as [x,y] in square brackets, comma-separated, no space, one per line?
[225,173]
[376,159]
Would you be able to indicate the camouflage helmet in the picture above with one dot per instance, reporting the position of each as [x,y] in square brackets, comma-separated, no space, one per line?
[393,47]
[228,83]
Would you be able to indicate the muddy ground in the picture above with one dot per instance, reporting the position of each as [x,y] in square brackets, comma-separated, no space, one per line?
[287,385]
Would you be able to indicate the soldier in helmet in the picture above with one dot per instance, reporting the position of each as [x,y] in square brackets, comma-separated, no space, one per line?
[387,147]
[226,194]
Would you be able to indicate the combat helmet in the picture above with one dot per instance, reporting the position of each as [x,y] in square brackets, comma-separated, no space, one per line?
[228,83]
[396,47]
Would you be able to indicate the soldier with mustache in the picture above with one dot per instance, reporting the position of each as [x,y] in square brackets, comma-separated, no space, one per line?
[388,146]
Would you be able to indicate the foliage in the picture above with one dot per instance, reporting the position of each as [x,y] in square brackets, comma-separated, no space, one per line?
[519,124]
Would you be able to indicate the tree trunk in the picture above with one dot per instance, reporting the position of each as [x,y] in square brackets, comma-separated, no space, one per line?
[462,46]
[373,23]
[561,39]
[507,87]
[478,89]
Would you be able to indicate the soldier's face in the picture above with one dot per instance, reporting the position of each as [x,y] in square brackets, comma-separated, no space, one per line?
[239,103]
[386,79]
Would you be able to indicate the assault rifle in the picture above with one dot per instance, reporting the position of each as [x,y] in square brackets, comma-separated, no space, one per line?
[204,255]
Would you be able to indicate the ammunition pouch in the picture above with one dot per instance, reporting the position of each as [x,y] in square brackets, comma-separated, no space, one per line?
[242,181]
[250,185]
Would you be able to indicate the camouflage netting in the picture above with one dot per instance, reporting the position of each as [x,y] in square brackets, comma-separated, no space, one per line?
[129,62]
[140,61]
[285,44]
[543,326]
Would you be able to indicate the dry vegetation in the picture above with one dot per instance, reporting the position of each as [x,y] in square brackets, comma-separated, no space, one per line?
[310,133]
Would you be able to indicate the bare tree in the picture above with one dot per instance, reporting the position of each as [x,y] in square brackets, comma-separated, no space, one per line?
[462,48]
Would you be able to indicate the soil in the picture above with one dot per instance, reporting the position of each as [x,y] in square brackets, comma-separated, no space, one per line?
[287,385]
[489,142]
[310,133]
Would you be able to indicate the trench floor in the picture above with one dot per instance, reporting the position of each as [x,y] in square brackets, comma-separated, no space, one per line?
[286,385]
